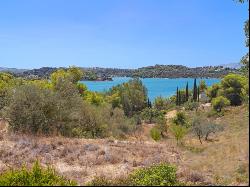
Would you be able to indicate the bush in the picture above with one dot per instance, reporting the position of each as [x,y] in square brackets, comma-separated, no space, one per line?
[156,175]
[180,119]
[37,176]
[155,134]
[202,128]
[213,91]
[202,85]
[179,132]
[233,86]
[151,115]
[219,103]
[132,96]
[161,103]
[189,105]
[43,111]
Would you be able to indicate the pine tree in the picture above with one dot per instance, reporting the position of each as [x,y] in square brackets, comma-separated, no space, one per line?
[149,104]
[195,91]
[187,92]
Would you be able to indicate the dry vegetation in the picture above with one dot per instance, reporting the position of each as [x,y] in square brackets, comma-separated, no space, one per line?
[223,160]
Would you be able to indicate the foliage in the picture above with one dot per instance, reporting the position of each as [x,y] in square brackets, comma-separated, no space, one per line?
[233,88]
[150,115]
[82,89]
[156,175]
[37,176]
[132,96]
[195,92]
[180,119]
[189,105]
[179,132]
[213,91]
[162,125]
[202,85]
[160,103]
[155,134]
[202,128]
[72,74]
[37,110]
[160,175]
[219,103]
[94,98]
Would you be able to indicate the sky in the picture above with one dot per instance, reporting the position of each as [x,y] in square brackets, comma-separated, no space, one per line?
[121,33]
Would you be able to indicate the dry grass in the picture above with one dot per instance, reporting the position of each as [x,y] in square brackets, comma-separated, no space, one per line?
[221,158]
[82,159]
[222,161]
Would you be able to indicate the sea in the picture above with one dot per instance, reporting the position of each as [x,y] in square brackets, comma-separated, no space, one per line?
[164,87]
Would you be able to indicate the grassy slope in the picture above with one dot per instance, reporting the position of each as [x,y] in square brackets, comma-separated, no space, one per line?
[221,161]
[225,159]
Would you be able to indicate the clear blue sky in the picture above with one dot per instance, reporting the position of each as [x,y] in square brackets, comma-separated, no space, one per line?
[120,33]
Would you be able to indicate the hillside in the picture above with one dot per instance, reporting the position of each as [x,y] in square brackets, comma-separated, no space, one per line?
[221,161]
[157,71]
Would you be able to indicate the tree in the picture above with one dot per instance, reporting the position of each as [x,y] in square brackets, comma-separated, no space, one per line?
[187,94]
[233,88]
[179,132]
[202,128]
[72,74]
[133,96]
[213,91]
[219,103]
[160,103]
[180,119]
[202,85]
[245,59]
[179,99]
[195,91]
[151,115]
[149,104]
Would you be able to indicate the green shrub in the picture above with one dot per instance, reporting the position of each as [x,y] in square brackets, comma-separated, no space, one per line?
[155,134]
[156,175]
[131,96]
[37,176]
[233,86]
[151,115]
[179,132]
[213,91]
[202,127]
[100,181]
[189,105]
[161,103]
[219,103]
[180,119]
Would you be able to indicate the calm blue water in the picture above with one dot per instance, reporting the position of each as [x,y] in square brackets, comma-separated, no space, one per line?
[156,86]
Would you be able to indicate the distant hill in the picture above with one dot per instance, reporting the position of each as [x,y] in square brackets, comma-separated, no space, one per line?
[157,71]
[232,65]
[12,70]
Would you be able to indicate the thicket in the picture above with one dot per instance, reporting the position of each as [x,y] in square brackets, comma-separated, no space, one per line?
[63,106]
[37,176]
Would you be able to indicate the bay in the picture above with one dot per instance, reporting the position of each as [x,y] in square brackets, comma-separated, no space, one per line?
[156,86]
